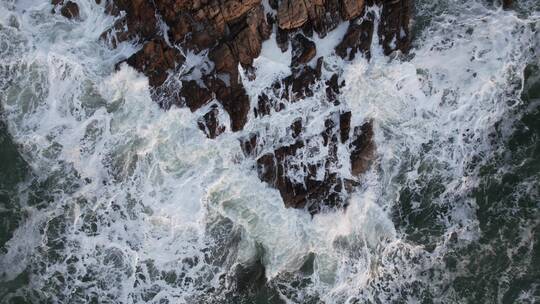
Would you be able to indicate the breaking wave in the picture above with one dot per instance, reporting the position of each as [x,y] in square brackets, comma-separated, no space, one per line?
[122,202]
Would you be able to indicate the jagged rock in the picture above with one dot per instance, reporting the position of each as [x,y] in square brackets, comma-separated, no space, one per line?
[264,106]
[237,105]
[249,144]
[351,8]
[357,39]
[292,14]
[303,50]
[362,148]
[70,10]
[235,9]
[306,181]
[332,16]
[282,39]
[140,18]
[507,4]
[333,89]
[209,123]
[155,59]
[296,128]
[298,85]
[344,126]
[195,96]
[316,15]
[224,60]
[234,100]
[394,26]
[247,45]
[307,174]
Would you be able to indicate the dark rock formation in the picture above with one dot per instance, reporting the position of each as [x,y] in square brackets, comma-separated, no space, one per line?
[357,38]
[304,167]
[303,180]
[303,50]
[394,28]
[507,3]
[209,123]
[195,95]
[68,9]
[155,60]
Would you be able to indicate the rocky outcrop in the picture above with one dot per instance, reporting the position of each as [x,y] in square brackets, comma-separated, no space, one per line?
[210,124]
[308,172]
[228,35]
[303,50]
[358,38]
[394,27]
[292,14]
[155,60]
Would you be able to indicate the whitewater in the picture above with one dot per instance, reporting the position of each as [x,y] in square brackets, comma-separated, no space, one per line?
[124,202]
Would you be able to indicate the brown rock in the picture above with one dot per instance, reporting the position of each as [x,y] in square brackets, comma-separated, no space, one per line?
[357,39]
[234,9]
[210,125]
[393,29]
[316,16]
[303,50]
[282,39]
[237,105]
[351,8]
[194,95]
[154,60]
[249,144]
[303,179]
[344,126]
[234,100]
[292,14]
[224,59]
[247,45]
[70,10]
[140,17]
[362,148]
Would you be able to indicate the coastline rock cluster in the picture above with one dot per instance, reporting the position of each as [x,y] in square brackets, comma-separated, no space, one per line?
[231,34]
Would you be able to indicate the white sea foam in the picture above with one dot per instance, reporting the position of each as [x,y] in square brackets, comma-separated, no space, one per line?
[150,184]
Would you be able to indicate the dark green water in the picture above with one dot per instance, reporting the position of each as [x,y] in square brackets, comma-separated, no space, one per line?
[501,266]
[13,172]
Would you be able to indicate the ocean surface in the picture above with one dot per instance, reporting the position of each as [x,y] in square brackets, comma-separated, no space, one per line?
[106,198]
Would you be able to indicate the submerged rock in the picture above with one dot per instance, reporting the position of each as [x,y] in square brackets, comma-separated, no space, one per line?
[210,124]
[68,9]
[358,38]
[303,178]
[303,50]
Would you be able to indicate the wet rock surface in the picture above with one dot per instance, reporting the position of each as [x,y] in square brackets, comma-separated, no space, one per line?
[155,60]
[68,9]
[311,176]
[309,170]
[210,123]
